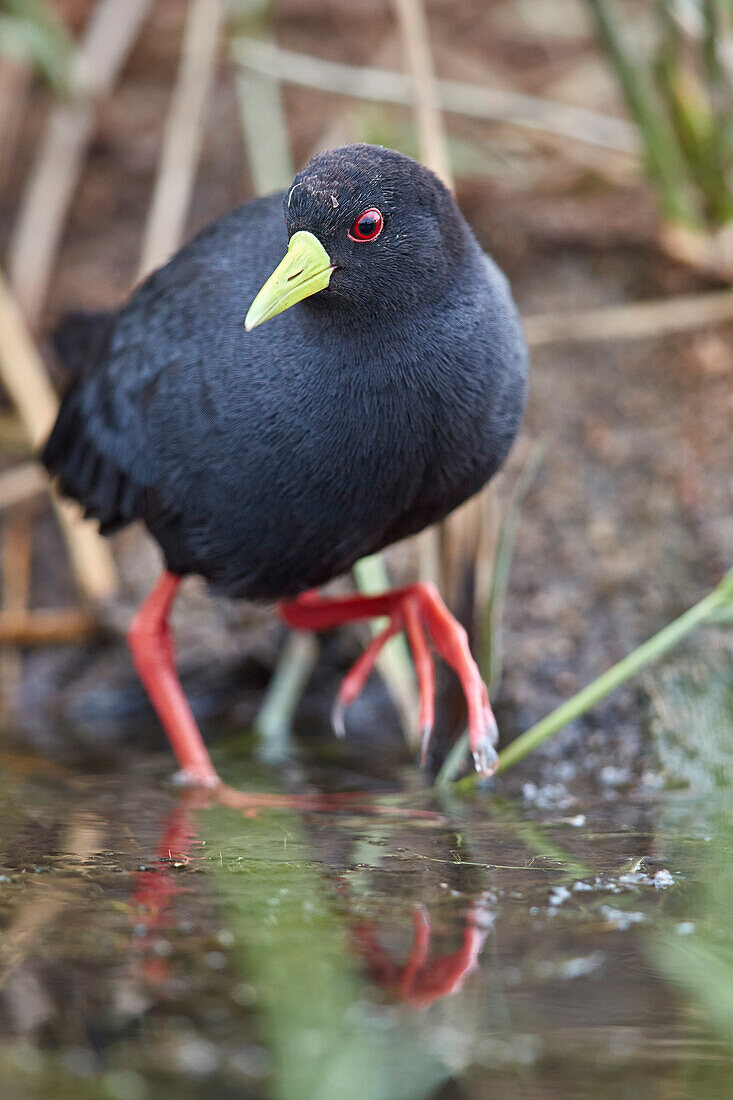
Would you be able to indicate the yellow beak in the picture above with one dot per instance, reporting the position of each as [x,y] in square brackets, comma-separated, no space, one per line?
[305,269]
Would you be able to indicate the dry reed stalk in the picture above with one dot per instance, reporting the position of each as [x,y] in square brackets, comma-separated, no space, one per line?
[24,376]
[13,439]
[632,321]
[430,128]
[16,585]
[261,108]
[433,152]
[109,36]
[263,127]
[183,134]
[15,80]
[16,486]
[108,39]
[40,628]
[477,101]
[21,483]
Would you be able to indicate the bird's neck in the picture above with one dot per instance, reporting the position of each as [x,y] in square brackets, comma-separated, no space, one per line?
[412,307]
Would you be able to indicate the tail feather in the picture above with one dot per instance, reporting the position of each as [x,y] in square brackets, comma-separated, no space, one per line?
[105,492]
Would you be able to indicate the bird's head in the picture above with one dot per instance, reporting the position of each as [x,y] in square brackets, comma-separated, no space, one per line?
[371,232]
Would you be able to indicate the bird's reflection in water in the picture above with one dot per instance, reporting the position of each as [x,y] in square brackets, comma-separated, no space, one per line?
[156,887]
[421,980]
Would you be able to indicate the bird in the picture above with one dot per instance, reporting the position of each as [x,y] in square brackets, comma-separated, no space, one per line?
[317,375]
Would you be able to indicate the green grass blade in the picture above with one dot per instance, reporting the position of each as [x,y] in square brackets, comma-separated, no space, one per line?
[490,647]
[703,612]
[30,30]
[665,163]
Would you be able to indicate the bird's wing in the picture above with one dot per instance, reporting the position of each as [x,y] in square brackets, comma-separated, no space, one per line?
[149,380]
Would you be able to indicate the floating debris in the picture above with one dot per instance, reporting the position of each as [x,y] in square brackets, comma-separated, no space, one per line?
[559,895]
[580,967]
[621,918]
[685,928]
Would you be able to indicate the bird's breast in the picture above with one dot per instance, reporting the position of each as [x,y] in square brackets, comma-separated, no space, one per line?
[331,446]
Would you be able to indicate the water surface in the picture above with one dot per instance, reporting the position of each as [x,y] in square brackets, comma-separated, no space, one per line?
[416,947]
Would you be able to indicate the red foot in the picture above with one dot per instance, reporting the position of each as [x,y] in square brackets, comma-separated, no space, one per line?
[152,652]
[411,609]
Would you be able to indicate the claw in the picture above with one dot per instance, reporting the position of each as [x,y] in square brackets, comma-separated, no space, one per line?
[425,733]
[492,730]
[425,672]
[485,759]
[337,718]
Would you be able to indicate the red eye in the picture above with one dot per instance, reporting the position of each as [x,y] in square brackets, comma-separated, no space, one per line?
[367,226]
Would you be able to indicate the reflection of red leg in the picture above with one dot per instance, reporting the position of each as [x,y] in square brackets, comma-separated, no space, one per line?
[156,888]
[422,980]
[446,975]
[152,652]
[412,608]
[419,952]
[382,969]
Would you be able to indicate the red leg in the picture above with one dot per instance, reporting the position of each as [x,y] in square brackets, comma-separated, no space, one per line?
[152,651]
[452,642]
[412,608]
[425,672]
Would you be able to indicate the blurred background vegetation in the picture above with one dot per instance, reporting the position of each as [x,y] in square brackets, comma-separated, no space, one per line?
[32,32]
[675,75]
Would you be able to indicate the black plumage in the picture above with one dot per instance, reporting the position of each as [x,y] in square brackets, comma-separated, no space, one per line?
[270,461]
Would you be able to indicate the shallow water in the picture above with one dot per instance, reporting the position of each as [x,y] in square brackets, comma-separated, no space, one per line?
[415,948]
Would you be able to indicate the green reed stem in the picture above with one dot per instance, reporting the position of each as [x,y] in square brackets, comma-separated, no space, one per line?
[666,166]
